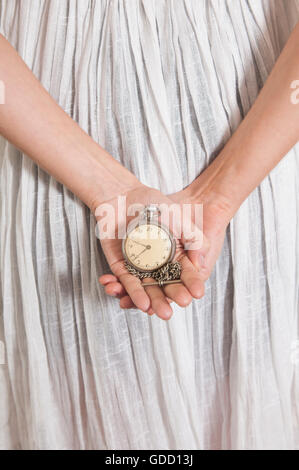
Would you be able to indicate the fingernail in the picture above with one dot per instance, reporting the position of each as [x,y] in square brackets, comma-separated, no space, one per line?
[168,316]
[201,260]
[197,265]
[198,262]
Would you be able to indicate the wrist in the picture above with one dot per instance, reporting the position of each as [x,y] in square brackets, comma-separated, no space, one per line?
[219,187]
[119,187]
[218,203]
[106,179]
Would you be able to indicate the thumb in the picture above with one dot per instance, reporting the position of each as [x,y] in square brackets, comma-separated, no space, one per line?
[197,256]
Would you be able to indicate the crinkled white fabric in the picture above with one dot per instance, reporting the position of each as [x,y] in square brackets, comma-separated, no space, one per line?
[161,84]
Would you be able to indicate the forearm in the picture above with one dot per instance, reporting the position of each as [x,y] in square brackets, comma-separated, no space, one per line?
[32,121]
[269,131]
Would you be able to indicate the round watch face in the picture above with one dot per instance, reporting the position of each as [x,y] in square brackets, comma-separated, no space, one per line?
[148,247]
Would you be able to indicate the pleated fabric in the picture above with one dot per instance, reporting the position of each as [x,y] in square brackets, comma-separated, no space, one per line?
[161,84]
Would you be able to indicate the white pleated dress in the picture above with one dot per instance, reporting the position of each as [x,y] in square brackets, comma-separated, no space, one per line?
[161,84]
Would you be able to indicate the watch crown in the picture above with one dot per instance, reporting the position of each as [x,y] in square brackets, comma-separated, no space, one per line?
[150,211]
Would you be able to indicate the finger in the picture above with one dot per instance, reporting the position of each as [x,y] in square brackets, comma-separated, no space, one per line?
[135,290]
[197,256]
[204,273]
[191,278]
[207,265]
[212,256]
[159,304]
[107,278]
[115,289]
[132,285]
[126,302]
[178,293]
[187,227]
[118,289]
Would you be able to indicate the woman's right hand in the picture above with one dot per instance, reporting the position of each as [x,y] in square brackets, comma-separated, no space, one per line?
[154,299]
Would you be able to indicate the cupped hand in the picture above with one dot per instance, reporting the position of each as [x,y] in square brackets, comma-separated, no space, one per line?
[215,219]
[216,215]
[152,299]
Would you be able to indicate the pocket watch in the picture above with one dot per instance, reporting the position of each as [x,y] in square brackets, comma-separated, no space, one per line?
[149,249]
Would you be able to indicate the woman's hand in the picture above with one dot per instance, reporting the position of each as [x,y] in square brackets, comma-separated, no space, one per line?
[217,213]
[269,130]
[152,299]
[69,154]
[216,216]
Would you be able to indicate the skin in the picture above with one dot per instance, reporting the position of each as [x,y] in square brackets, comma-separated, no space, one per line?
[153,298]
[215,222]
[265,136]
[32,121]
[269,131]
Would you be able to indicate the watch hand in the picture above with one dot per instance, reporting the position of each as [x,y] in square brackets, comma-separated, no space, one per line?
[141,252]
[147,247]
[138,243]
